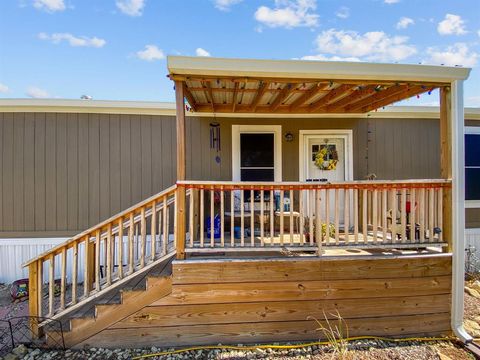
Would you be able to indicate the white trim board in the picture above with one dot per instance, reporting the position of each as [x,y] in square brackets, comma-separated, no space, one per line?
[257,129]
[345,134]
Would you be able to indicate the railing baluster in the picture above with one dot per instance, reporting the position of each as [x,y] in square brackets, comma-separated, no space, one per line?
[252,218]
[431,232]
[86,267]
[355,215]
[272,219]
[242,218]
[190,216]
[337,217]
[212,217]
[63,280]
[301,211]
[346,215]
[403,214]
[311,205]
[131,234]
[51,283]
[282,212]
[202,217]
[327,217]
[74,272]
[153,232]
[290,211]
[365,215]
[384,215]
[143,236]
[165,225]
[222,217]
[120,248]
[422,214]
[97,260]
[262,218]
[109,255]
[318,222]
[232,218]
[412,215]
[393,201]
[440,213]
[375,215]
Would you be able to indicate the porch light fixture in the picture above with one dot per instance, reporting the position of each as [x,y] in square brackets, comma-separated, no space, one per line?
[288,137]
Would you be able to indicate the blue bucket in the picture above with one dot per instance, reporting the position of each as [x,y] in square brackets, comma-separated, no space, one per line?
[216,226]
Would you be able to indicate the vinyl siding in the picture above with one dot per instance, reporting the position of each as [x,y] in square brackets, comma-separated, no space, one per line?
[64,172]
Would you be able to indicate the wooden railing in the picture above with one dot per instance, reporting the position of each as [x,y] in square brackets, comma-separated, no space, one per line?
[102,257]
[261,216]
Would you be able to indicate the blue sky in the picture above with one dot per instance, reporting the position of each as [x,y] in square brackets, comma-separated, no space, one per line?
[115,49]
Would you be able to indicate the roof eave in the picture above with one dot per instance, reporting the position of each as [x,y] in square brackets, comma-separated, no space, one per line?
[222,67]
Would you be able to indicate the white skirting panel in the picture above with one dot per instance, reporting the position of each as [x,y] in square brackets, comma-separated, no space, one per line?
[14,252]
[472,238]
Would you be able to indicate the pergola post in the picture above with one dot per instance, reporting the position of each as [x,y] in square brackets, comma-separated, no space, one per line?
[181,169]
[446,160]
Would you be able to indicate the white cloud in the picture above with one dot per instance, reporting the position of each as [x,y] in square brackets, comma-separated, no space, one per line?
[457,54]
[37,93]
[151,53]
[375,45]
[73,40]
[4,88]
[288,14]
[225,5]
[451,25]
[478,33]
[131,7]
[49,5]
[391,1]
[343,12]
[202,52]
[404,22]
[321,57]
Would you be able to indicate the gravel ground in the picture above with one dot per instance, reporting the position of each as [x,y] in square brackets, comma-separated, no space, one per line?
[365,349]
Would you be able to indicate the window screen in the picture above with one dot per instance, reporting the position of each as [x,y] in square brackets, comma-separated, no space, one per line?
[257,157]
[472,166]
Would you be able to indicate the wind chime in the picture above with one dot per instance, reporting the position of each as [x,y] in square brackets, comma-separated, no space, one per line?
[215,143]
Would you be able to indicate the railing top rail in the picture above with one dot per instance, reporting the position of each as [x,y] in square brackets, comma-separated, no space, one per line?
[363,184]
[103,224]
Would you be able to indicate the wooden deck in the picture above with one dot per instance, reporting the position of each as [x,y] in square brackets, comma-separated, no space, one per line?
[263,300]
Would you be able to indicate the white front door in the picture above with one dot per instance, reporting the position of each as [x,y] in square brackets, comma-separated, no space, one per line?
[325,156]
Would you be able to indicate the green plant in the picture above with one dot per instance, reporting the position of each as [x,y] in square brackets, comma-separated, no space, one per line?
[336,333]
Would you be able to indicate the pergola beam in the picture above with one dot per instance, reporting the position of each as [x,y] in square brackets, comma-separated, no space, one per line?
[314,90]
[190,98]
[262,88]
[332,95]
[405,94]
[234,98]
[284,93]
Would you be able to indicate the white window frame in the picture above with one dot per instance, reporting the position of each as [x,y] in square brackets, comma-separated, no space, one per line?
[276,130]
[472,130]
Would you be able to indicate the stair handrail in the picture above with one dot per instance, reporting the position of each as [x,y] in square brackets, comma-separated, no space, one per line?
[102,224]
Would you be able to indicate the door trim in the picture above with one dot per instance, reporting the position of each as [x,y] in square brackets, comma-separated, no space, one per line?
[347,135]
[276,130]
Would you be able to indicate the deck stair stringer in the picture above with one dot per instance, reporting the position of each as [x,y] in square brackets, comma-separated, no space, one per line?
[106,315]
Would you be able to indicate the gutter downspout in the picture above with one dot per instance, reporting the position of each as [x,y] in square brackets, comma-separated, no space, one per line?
[458,211]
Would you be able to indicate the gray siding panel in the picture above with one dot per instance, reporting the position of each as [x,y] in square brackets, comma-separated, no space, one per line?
[62,173]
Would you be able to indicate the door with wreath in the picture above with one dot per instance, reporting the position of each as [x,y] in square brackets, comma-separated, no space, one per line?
[325,159]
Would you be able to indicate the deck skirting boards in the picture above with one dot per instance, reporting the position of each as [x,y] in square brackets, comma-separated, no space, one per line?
[263,301]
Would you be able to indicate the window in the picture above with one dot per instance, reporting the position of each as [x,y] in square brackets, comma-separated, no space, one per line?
[472,166]
[256,157]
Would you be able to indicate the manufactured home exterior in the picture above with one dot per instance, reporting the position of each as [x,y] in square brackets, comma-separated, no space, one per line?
[70,164]
[282,189]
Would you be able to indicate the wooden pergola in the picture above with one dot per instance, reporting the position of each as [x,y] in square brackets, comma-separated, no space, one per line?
[219,86]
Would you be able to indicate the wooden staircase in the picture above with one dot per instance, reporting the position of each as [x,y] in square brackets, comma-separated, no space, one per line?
[82,277]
